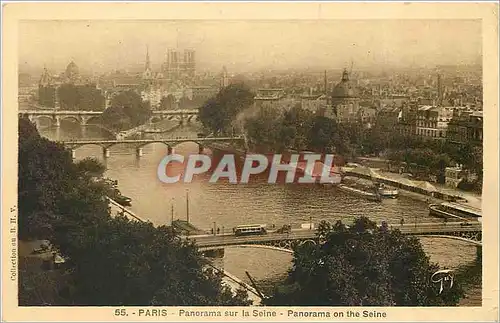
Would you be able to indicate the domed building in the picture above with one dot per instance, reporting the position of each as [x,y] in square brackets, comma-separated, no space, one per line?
[345,100]
[72,73]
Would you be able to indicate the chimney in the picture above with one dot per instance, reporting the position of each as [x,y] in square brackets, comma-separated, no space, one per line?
[326,87]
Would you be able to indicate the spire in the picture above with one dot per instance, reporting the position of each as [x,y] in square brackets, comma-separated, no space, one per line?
[148,64]
[345,75]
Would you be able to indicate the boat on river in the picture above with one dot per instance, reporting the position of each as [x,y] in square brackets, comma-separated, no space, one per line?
[372,196]
[123,200]
[455,211]
[387,192]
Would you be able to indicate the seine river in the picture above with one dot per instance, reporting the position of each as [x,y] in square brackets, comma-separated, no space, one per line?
[225,205]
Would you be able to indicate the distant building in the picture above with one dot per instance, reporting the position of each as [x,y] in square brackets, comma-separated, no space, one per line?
[69,90]
[432,121]
[466,126]
[407,119]
[46,90]
[269,98]
[224,78]
[316,103]
[179,63]
[345,101]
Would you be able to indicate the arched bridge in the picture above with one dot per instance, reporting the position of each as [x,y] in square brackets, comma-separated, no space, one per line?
[140,143]
[83,117]
[56,116]
[471,233]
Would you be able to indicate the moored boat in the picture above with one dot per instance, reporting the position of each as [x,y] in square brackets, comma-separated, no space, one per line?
[372,196]
[385,191]
[455,210]
[123,200]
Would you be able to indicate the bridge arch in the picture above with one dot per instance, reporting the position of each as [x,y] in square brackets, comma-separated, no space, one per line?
[76,146]
[170,144]
[94,120]
[70,117]
[35,118]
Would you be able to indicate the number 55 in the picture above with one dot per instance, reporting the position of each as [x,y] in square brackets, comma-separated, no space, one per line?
[120,312]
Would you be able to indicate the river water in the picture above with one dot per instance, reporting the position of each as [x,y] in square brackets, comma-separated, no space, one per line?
[225,205]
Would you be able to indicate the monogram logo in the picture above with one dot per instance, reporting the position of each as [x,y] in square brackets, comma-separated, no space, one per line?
[444,278]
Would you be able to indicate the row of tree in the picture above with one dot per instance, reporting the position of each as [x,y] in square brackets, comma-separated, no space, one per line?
[127,110]
[81,97]
[110,260]
[219,114]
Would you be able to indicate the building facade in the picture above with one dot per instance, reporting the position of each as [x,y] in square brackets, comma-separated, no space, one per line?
[432,121]
[345,101]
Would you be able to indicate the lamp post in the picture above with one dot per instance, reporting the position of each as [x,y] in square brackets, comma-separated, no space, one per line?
[187,206]
[215,229]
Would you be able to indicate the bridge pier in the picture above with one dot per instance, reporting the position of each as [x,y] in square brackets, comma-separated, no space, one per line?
[84,120]
[200,149]
[139,152]
[106,152]
[57,121]
[170,150]
[73,153]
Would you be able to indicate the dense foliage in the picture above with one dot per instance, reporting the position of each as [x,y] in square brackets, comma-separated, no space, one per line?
[126,111]
[80,97]
[110,260]
[297,129]
[300,129]
[218,113]
[362,265]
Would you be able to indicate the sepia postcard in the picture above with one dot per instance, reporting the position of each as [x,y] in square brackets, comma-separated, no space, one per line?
[225,161]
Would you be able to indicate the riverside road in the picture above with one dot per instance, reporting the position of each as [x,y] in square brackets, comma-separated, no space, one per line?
[450,228]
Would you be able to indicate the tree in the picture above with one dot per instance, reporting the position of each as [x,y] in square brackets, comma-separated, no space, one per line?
[264,130]
[296,126]
[110,260]
[127,110]
[321,134]
[43,167]
[362,265]
[140,265]
[219,112]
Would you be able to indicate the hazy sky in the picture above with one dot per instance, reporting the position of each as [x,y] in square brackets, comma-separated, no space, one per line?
[251,45]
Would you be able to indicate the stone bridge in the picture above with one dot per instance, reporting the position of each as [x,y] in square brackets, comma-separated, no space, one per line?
[471,233]
[83,117]
[138,144]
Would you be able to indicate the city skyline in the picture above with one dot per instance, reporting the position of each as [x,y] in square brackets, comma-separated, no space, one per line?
[277,45]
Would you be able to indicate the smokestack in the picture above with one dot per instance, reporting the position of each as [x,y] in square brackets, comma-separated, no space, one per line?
[326,89]
[440,89]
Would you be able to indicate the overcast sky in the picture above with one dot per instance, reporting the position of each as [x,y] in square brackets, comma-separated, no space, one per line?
[251,45]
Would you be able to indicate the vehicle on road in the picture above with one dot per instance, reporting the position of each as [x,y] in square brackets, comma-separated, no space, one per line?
[250,229]
[287,228]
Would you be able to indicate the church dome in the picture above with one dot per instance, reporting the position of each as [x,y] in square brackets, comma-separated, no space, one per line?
[345,89]
[72,70]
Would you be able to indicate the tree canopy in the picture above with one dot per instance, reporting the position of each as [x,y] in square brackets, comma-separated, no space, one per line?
[81,97]
[362,265]
[219,112]
[127,110]
[110,259]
